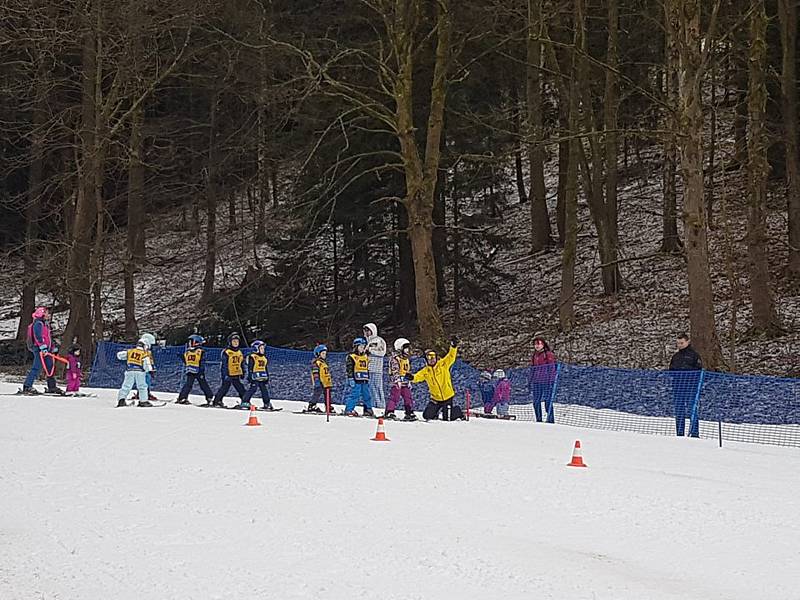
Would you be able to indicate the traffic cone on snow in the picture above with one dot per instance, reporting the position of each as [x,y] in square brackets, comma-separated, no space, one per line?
[380,435]
[577,458]
[253,420]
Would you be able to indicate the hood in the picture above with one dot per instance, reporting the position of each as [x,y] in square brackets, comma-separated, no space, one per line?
[39,312]
[372,328]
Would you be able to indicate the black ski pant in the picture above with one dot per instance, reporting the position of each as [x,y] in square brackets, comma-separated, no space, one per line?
[200,378]
[226,385]
[433,409]
[261,386]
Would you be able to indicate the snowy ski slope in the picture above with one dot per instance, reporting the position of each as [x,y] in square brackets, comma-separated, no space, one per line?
[185,503]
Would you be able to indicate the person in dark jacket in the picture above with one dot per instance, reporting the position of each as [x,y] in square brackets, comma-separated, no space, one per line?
[232,370]
[685,366]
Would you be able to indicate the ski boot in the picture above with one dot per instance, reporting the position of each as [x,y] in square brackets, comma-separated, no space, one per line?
[242,406]
[313,408]
[217,404]
[121,403]
[351,413]
[56,391]
[30,391]
[410,416]
[389,414]
[182,401]
[144,404]
[368,412]
[151,397]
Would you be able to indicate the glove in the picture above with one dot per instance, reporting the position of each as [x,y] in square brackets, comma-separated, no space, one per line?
[43,348]
[408,377]
[454,341]
[351,383]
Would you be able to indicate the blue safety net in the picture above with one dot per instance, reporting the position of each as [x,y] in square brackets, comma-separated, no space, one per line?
[691,403]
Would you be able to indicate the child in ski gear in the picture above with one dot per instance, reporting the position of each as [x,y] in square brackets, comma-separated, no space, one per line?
[137,365]
[149,340]
[399,367]
[486,389]
[321,381]
[257,375]
[502,393]
[40,344]
[541,377]
[376,348]
[232,368]
[74,372]
[194,370]
[358,379]
[436,373]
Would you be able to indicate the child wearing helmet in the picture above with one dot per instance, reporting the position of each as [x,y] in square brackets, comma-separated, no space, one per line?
[399,367]
[321,381]
[486,388]
[232,371]
[137,365]
[194,370]
[502,393]
[257,375]
[149,340]
[358,379]
[436,373]
[74,372]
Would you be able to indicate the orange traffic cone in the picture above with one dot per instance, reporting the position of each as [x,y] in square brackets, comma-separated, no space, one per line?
[380,435]
[577,458]
[253,420]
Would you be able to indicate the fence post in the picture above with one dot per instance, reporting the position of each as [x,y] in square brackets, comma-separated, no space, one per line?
[695,417]
[553,393]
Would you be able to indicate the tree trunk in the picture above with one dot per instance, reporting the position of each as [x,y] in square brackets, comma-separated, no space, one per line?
[566,308]
[685,18]
[79,326]
[136,246]
[440,239]
[541,233]
[712,150]
[765,318]
[563,174]
[421,174]
[405,306]
[33,208]
[787,11]
[211,204]
[612,280]
[670,241]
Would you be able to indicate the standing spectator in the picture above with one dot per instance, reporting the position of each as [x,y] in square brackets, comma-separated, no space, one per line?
[376,348]
[685,366]
[40,344]
[541,378]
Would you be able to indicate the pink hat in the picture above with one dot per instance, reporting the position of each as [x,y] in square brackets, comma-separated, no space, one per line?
[39,312]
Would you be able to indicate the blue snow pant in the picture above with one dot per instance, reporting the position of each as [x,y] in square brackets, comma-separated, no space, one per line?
[227,382]
[543,392]
[200,378]
[684,392]
[360,390]
[38,361]
[138,378]
[261,386]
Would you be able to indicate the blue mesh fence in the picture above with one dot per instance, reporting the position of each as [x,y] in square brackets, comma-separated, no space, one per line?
[697,403]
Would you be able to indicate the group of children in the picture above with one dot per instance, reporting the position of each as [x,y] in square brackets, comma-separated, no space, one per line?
[363,376]
[495,391]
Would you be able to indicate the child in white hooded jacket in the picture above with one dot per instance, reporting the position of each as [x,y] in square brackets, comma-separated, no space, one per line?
[376,348]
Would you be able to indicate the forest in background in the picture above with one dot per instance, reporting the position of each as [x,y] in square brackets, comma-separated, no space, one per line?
[373,145]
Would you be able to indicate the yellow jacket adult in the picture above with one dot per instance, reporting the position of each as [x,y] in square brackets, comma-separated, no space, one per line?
[437,376]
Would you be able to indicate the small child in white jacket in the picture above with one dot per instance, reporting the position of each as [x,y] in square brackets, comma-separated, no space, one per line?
[137,366]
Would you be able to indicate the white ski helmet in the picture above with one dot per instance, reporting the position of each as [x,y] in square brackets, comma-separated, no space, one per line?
[499,374]
[148,339]
[401,343]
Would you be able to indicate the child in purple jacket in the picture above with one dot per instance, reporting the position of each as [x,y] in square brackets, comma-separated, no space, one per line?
[74,372]
[502,393]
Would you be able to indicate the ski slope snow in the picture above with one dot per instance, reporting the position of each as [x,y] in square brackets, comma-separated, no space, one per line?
[184,503]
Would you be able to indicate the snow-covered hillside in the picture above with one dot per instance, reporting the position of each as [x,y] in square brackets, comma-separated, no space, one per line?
[180,502]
